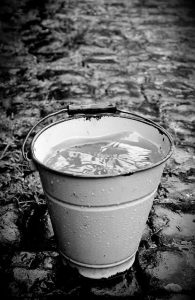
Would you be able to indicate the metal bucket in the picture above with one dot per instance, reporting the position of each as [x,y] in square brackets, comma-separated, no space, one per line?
[98,220]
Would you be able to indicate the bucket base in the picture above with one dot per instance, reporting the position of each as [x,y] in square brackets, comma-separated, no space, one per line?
[99,272]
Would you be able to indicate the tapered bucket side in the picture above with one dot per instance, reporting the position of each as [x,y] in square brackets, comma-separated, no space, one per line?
[99,220]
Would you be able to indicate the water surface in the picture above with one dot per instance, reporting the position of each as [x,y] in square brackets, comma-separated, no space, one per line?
[109,155]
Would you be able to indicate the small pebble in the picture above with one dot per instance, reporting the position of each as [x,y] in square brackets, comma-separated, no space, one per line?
[173,287]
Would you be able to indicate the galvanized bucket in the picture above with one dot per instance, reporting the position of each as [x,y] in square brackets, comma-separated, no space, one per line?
[98,220]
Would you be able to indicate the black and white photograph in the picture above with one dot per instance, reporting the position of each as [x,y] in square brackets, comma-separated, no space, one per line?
[97,149]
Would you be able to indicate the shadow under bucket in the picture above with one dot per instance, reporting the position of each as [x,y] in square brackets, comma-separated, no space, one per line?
[98,221]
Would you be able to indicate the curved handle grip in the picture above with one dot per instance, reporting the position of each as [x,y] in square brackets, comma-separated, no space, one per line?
[71,110]
[137,117]
[84,109]
[91,109]
[25,154]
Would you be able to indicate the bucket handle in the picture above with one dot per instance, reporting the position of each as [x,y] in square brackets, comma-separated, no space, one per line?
[25,154]
[138,118]
[71,110]
[82,109]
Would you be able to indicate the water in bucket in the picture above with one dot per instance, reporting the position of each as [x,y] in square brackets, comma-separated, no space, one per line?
[112,154]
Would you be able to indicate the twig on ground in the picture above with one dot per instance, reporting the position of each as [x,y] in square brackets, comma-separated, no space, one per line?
[4,151]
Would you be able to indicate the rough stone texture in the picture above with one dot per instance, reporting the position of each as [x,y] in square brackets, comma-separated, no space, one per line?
[30,282]
[32,273]
[10,235]
[173,226]
[139,55]
[169,269]
[126,287]
[176,297]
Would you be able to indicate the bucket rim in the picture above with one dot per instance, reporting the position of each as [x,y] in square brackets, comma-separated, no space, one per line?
[69,174]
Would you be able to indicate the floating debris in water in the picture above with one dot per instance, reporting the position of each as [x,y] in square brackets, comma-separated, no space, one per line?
[109,155]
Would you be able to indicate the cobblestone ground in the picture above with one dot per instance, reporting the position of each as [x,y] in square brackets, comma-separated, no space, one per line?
[139,55]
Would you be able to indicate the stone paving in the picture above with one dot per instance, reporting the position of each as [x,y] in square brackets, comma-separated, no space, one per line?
[139,55]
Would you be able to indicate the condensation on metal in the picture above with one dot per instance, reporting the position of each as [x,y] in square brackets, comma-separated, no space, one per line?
[101,271]
[102,266]
[96,228]
[92,207]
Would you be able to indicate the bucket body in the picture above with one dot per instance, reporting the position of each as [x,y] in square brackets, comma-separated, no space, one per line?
[98,221]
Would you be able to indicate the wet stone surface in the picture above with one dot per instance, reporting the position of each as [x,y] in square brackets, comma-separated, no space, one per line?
[169,269]
[10,234]
[139,55]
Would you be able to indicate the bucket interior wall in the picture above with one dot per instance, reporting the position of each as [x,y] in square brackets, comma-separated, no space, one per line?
[56,133]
